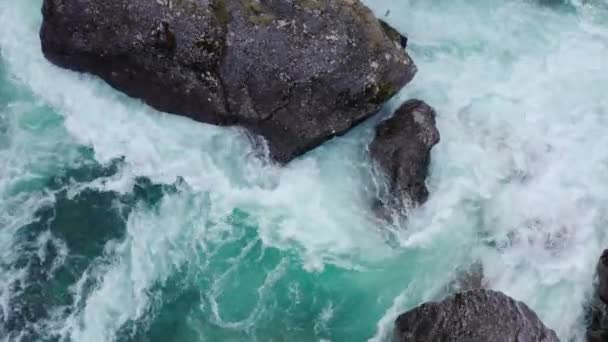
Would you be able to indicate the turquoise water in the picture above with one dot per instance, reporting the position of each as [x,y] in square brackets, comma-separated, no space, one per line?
[119,223]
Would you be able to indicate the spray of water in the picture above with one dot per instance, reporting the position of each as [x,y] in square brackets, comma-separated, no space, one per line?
[210,242]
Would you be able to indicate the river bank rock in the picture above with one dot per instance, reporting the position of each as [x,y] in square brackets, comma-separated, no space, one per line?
[295,72]
[401,149]
[602,274]
[597,310]
[597,321]
[473,316]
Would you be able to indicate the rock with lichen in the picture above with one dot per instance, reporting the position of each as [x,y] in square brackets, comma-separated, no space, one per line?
[296,72]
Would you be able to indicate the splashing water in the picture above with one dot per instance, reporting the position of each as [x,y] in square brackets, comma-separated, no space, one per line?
[121,223]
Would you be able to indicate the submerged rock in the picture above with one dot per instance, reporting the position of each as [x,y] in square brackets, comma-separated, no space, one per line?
[296,72]
[473,316]
[470,278]
[401,149]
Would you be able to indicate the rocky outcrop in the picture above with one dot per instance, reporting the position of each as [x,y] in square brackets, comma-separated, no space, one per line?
[597,329]
[473,316]
[401,149]
[296,72]
[597,315]
[602,274]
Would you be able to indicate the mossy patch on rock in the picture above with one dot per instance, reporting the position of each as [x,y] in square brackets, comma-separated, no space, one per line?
[253,7]
[207,45]
[220,11]
[380,92]
[262,19]
[256,13]
[318,5]
[384,92]
[390,32]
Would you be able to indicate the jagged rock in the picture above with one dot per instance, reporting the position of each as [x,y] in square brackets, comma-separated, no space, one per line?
[473,316]
[401,149]
[296,72]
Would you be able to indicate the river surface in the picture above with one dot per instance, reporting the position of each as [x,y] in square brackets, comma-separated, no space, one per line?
[120,223]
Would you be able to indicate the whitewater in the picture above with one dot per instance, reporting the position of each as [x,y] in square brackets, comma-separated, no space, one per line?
[120,223]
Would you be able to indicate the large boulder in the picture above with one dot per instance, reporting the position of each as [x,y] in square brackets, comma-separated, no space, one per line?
[402,151]
[473,316]
[296,72]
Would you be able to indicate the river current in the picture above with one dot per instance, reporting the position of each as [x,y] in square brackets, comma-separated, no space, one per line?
[120,223]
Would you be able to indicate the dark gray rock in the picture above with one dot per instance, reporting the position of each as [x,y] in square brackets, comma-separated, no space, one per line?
[597,318]
[394,34]
[597,309]
[473,316]
[296,72]
[602,274]
[401,149]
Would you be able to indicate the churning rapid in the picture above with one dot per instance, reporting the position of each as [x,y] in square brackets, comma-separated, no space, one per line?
[121,223]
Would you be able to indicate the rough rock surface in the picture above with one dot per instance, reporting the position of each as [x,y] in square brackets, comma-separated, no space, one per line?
[401,149]
[597,314]
[297,72]
[597,329]
[602,274]
[473,316]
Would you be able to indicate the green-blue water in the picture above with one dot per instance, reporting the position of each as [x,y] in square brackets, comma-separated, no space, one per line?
[119,223]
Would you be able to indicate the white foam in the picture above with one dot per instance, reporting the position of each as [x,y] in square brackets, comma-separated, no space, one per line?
[29,154]
[520,93]
[295,207]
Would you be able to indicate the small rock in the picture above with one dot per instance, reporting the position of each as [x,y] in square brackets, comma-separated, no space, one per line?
[401,149]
